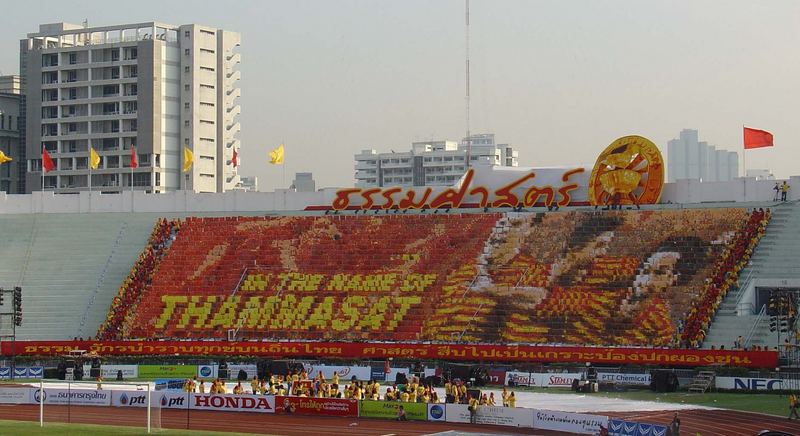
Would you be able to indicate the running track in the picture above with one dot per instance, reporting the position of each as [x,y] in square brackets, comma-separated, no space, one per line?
[704,422]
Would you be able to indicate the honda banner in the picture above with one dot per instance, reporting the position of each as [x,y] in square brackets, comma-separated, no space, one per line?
[316,406]
[235,403]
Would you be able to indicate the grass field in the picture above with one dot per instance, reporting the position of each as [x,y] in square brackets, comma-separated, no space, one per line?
[33,429]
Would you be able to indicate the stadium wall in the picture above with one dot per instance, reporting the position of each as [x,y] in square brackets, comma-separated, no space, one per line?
[283,200]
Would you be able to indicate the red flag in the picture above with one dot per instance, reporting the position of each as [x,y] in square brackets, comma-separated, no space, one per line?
[47,163]
[235,158]
[134,162]
[754,138]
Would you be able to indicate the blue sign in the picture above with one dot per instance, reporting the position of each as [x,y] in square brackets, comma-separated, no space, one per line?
[22,372]
[618,427]
[170,384]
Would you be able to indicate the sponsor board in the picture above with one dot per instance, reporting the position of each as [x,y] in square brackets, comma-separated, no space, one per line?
[345,372]
[392,376]
[508,416]
[167,371]
[624,379]
[749,383]
[22,372]
[15,395]
[78,397]
[618,427]
[235,403]
[388,410]
[109,372]
[138,398]
[212,371]
[316,406]
[580,423]
[130,398]
[437,412]
[170,384]
[554,379]
[497,377]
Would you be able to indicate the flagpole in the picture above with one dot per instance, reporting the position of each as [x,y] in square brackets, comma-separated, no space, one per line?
[744,154]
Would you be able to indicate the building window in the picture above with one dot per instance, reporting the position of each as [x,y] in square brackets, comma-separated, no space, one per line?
[186,141]
[186,105]
[187,33]
[186,52]
[187,69]
[186,123]
[186,88]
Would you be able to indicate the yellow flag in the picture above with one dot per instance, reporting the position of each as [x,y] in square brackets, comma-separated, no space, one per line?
[94,158]
[276,156]
[4,158]
[188,158]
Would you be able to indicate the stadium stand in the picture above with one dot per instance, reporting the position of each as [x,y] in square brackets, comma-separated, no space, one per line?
[85,256]
[652,277]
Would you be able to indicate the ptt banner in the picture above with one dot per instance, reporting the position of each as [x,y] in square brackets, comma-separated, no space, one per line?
[388,410]
[78,397]
[618,427]
[233,403]
[749,383]
[579,423]
[167,371]
[316,406]
[624,379]
[22,372]
[132,398]
[508,416]
[15,395]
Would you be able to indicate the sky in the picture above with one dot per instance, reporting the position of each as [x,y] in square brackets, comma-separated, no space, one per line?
[558,80]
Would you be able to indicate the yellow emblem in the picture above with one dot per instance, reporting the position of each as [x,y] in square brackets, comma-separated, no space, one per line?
[629,171]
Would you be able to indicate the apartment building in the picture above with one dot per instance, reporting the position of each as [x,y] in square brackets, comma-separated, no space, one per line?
[430,163]
[9,132]
[150,86]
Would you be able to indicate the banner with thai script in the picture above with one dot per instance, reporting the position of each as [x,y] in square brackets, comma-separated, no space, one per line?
[109,372]
[75,397]
[618,427]
[508,416]
[378,350]
[579,423]
[15,395]
[316,406]
[389,409]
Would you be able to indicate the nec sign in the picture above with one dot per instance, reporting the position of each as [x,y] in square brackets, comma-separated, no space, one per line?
[758,384]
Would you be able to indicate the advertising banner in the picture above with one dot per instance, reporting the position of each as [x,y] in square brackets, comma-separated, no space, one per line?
[212,371]
[497,376]
[170,384]
[508,416]
[171,400]
[345,372]
[15,396]
[579,423]
[77,397]
[380,350]
[388,410]
[22,372]
[167,371]
[130,398]
[109,372]
[624,379]
[618,427]
[515,378]
[316,406]
[749,383]
[233,403]
[437,412]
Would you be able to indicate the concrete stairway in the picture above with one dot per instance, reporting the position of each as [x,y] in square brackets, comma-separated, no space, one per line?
[70,267]
[775,257]
[701,382]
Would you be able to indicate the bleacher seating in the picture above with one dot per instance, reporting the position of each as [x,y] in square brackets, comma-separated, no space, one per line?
[581,277]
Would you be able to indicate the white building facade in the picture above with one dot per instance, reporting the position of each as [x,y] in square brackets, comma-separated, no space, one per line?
[153,86]
[430,163]
[689,158]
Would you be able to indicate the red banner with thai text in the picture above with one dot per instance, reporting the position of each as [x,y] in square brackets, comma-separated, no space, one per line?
[316,406]
[377,350]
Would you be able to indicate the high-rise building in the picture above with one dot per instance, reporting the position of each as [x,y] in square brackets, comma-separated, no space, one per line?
[153,86]
[430,163]
[689,158]
[9,133]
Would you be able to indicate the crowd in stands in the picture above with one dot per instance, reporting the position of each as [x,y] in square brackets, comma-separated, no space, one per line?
[300,384]
[735,256]
[124,304]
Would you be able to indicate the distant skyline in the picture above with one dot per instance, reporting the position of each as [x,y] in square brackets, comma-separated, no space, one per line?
[559,80]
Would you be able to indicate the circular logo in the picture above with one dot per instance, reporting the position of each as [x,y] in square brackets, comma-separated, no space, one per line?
[39,396]
[437,411]
[629,171]
[205,371]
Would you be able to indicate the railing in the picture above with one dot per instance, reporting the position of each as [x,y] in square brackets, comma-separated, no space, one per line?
[742,292]
[755,325]
[100,280]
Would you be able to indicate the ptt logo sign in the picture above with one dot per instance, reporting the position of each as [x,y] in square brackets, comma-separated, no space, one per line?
[758,384]
[133,400]
[171,401]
